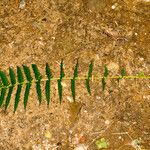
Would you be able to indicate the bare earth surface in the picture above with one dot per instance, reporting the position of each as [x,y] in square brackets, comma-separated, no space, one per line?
[111,32]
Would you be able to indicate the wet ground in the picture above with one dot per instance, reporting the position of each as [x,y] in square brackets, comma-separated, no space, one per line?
[111,32]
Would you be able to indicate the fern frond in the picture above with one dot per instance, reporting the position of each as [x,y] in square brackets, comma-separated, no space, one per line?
[7,85]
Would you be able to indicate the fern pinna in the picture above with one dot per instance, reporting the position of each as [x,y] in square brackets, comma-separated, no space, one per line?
[24,77]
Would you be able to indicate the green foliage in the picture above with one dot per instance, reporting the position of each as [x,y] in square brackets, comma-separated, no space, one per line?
[19,87]
[27,73]
[62,74]
[28,84]
[123,72]
[4,78]
[101,143]
[106,73]
[12,76]
[47,87]
[24,77]
[3,93]
[26,95]
[59,90]
[87,81]
[13,82]
[8,97]
[38,78]
[141,74]
[73,80]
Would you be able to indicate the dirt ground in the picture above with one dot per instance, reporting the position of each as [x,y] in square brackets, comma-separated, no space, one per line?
[111,32]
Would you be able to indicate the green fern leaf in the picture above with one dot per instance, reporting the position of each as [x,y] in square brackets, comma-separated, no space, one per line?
[27,73]
[1,84]
[90,70]
[26,95]
[38,77]
[17,98]
[73,88]
[4,78]
[123,72]
[106,72]
[12,76]
[20,75]
[8,97]
[103,84]
[48,72]
[39,93]
[73,80]
[28,85]
[76,70]
[60,90]
[47,91]
[62,74]
[19,88]
[2,96]
[36,72]
[47,87]
[87,83]
[13,82]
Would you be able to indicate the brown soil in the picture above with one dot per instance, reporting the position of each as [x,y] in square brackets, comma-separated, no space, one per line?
[111,32]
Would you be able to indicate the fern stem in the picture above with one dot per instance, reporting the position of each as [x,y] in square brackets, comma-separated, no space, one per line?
[78,78]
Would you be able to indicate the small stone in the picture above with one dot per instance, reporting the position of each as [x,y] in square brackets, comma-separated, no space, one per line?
[113,67]
[107,122]
[22,4]
[70,99]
